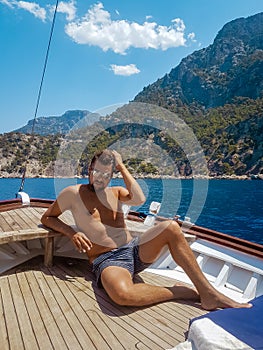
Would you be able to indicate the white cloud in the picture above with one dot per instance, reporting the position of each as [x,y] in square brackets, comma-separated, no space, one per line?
[98,29]
[191,36]
[68,8]
[179,24]
[9,3]
[33,8]
[127,70]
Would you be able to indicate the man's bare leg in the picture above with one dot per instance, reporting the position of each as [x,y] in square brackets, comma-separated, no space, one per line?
[169,233]
[118,284]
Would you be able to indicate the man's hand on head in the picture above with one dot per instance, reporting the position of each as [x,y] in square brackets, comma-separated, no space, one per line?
[118,160]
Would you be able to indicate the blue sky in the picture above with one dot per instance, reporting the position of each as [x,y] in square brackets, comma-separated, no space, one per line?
[103,53]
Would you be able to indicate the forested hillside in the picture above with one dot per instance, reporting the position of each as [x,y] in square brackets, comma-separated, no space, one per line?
[230,136]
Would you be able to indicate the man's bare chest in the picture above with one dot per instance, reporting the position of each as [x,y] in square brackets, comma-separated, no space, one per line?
[103,207]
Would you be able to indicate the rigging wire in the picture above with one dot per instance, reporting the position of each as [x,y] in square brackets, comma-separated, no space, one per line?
[39,96]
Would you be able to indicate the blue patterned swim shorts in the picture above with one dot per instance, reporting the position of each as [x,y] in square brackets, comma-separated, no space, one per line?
[126,256]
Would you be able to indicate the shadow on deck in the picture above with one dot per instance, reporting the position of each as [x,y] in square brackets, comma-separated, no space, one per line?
[61,308]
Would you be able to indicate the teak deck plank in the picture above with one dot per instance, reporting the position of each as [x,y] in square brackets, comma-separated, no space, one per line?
[37,213]
[4,225]
[61,308]
[61,311]
[22,218]
[47,315]
[23,213]
[18,219]
[3,329]
[9,221]
[32,219]
[29,340]
[15,339]
[37,325]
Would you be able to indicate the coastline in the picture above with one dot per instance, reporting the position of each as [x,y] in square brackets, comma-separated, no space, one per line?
[150,176]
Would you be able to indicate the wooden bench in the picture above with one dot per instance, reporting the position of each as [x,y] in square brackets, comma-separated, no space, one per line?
[30,234]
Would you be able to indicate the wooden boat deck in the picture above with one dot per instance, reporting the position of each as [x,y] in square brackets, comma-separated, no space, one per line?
[61,308]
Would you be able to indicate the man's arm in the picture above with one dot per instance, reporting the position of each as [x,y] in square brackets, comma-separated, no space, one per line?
[133,193]
[51,220]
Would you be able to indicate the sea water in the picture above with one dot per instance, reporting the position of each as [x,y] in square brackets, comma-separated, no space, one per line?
[234,207]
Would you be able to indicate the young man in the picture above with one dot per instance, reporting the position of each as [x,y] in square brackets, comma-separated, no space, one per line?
[114,254]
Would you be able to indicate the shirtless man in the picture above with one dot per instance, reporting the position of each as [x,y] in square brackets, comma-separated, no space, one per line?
[115,256]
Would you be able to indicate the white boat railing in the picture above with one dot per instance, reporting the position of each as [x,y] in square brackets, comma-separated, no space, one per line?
[234,273]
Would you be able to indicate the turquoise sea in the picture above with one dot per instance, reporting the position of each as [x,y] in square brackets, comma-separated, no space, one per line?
[234,207]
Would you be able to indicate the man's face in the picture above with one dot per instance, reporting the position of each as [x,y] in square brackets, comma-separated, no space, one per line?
[100,175]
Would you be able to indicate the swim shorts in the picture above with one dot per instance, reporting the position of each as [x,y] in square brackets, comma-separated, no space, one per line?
[126,256]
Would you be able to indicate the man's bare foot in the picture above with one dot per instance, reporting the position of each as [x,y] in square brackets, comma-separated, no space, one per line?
[182,291]
[216,300]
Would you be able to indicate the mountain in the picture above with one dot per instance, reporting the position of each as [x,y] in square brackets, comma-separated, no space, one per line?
[230,137]
[217,92]
[60,124]
[229,68]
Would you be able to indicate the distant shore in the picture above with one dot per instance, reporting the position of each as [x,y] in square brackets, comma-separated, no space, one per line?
[152,176]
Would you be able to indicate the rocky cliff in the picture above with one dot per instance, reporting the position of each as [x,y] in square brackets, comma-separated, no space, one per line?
[231,67]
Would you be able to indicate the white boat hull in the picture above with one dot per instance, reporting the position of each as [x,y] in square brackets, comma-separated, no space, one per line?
[234,273]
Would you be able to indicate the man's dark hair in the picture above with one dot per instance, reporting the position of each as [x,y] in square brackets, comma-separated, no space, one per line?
[106,157]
